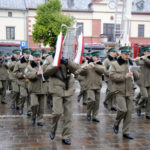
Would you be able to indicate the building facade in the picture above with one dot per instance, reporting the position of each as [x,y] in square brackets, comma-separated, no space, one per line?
[96,19]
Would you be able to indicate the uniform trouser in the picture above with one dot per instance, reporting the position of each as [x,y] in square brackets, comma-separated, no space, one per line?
[15,93]
[124,111]
[93,98]
[37,106]
[145,99]
[49,98]
[110,97]
[83,94]
[24,95]
[3,88]
[62,105]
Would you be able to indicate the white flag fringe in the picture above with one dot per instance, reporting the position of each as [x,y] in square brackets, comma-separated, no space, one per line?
[57,58]
[80,49]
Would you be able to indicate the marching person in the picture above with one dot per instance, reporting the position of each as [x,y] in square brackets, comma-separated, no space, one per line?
[107,63]
[82,82]
[3,78]
[144,82]
[15,88]
[93,77]
[47,60]
[36,87]
[121,78]
[22,81]
[61,86]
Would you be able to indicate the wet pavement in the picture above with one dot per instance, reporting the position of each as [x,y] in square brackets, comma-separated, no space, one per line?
[17,133]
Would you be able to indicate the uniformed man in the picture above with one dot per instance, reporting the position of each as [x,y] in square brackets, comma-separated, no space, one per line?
[3,78]
[82,82]
[121,77]
[107,63]
[48,61]
[44,54]
[62,88]
[93,77]
[144,82]
[22,81]
[15,87]
[36,87]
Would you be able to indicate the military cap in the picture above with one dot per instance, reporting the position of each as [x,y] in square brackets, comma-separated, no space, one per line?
[95,53]
[125,49]
[146,48]
[50,53]
[16,51]
[1,53]
[36,53]
[8,54]
[26,50]
[44,51]
[111,50]
[84,54]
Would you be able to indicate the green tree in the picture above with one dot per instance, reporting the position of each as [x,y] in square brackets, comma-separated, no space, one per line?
[48,22]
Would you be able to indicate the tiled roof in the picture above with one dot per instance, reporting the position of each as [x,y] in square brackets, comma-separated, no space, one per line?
[12,4]
[141,6]
[32,4]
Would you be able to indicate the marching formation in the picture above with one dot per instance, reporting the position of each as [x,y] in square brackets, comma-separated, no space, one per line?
[32,78]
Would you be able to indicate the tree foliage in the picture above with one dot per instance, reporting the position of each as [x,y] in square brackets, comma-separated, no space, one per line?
[48,22]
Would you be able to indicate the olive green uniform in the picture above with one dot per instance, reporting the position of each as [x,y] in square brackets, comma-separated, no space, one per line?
[144,84]
[22,82]
[93,78]
[15,88]
[124,88]
[62,88]
[110,96]
[3,79]
[37,89]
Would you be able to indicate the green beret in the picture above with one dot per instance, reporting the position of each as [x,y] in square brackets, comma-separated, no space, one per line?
[1,53]
[111,50]
[125,49]
[146,48]
[96,53]
[27,50]
[50,53]
[8,54]
[44,51]
[84,54]
[36,53]
[16,51]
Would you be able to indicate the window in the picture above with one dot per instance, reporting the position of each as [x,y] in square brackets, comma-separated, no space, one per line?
[10,33]
[9,14]
[141,30]
[108,30]
[70,3]
[79,28]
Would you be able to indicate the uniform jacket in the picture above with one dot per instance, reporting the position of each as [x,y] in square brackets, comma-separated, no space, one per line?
[19,72]
[3,70]
[81,78]
[93,76]
[118,71]
[11,64]
[61,80]
[107,63]
[35,84]
[144,79]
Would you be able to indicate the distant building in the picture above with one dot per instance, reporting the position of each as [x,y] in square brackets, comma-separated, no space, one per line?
[95,18]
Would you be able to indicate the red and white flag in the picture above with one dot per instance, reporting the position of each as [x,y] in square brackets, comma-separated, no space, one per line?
[80,49]
[58,52]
